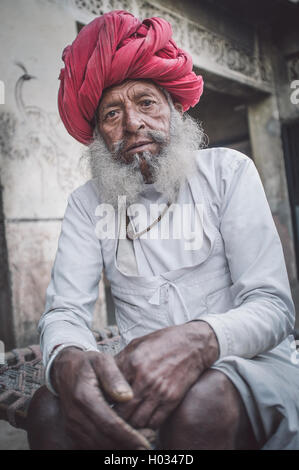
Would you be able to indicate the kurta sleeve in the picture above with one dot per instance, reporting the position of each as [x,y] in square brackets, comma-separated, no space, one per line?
[263,313]
[73,288]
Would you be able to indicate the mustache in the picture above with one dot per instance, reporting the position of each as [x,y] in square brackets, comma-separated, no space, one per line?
[158,137]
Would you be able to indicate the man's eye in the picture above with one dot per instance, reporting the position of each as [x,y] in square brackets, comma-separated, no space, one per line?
[147,103]
[110,115]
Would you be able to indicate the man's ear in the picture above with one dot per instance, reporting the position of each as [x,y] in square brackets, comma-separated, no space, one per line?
[179,108]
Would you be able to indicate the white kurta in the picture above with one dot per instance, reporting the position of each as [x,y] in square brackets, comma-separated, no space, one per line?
[236,281]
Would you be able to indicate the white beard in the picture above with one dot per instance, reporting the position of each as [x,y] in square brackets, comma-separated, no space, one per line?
[174,163]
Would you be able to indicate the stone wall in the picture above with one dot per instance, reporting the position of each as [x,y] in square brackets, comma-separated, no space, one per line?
[39,161]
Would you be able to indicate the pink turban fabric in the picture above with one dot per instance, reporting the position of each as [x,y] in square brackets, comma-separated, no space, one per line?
[115,47]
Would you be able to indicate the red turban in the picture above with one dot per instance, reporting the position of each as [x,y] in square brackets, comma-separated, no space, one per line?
[115,47]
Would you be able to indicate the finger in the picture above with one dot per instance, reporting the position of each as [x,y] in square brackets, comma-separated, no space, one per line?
[88,437]
[128,437]
[109,424]
[81,430]
[84,432]
[159,416]
[92,442]
[82,438]
[121,432]
[82,441]
[111,379]
[125,410]
[142,414]
[150,434]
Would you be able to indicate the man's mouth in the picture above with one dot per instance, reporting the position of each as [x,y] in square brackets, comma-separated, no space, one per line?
[138,146]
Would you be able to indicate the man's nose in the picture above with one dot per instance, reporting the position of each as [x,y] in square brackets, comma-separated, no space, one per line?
[133,121]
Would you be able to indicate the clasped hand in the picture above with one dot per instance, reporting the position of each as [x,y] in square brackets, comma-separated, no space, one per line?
[145,381]
[161,367]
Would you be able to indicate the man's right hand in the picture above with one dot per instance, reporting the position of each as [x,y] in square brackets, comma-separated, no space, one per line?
[82,379]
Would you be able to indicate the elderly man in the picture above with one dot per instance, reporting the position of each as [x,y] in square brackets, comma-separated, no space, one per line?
[205,312]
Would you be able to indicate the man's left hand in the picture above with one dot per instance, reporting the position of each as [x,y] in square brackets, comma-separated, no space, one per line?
[161,367]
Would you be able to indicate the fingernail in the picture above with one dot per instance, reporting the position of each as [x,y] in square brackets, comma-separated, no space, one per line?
[124,391]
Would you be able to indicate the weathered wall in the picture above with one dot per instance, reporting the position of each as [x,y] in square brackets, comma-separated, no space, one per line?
[265,117]
[265,131]
[39,161]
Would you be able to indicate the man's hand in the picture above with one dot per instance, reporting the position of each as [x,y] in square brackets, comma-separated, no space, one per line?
[82,380]
[161,367]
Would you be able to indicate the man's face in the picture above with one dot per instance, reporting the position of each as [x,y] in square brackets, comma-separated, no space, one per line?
[127,114]
[141,139]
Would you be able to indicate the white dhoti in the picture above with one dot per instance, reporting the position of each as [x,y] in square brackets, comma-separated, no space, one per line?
[269,388]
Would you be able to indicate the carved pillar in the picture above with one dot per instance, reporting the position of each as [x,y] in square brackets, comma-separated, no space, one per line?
[265,134]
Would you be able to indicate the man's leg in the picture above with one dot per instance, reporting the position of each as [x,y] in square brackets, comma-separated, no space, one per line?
[211,416]
[45,424]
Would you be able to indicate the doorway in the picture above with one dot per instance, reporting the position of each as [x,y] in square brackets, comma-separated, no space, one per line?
[224,120]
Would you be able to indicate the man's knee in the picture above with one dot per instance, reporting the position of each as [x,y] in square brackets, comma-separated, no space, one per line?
[44,421]
[43,408]
[207,417]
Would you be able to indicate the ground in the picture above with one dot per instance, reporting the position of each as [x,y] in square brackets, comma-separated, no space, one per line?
[12,438]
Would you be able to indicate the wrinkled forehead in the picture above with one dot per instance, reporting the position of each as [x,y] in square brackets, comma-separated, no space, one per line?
[132,89]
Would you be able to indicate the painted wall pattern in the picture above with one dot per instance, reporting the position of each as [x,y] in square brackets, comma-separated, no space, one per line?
[33,131]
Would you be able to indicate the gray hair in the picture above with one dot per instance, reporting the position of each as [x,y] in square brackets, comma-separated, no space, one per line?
[175,162]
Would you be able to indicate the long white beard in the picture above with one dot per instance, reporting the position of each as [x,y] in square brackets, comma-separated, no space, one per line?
[174,163]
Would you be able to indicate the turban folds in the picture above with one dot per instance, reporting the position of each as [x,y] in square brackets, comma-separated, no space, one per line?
[115,47]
